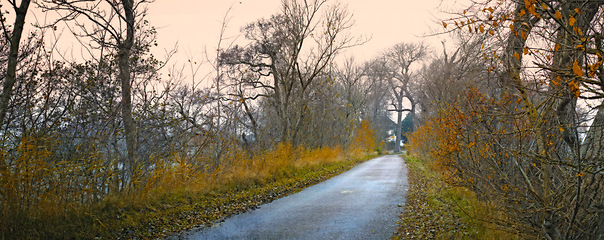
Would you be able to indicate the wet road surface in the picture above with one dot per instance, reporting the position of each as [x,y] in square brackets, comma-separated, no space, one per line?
[362,203]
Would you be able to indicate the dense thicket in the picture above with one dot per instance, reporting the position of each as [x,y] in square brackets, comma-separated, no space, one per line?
[520,121]
[74,133]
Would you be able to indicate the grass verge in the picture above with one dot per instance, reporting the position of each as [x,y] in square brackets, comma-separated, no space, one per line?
[437,210]
[163,212]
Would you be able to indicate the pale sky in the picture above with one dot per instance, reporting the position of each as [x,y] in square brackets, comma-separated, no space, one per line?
[196,23]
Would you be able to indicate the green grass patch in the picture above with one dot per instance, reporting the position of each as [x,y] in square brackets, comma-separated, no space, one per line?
[437,210]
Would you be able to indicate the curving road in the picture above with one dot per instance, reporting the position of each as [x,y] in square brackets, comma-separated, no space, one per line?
[363,203]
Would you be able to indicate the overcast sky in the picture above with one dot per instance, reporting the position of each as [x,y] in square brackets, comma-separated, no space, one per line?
[196,23]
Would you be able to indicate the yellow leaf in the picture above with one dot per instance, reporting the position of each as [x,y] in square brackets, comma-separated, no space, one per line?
[577,69]
[580,174]
[558,15]
[561,129]
[578,31]
[574,88]
[577,10]
[557,81]
[572,21]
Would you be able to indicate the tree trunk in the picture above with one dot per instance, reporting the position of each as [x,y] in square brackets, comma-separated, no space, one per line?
[124,52]
[13,55]
[399,124]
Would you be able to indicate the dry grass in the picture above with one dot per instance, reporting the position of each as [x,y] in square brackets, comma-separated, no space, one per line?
[43,196]
[436,210]
[44,199]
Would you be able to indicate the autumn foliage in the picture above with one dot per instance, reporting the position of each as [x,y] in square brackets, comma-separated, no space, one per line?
[97,145]
[525,135]
[55,198]
[46,198]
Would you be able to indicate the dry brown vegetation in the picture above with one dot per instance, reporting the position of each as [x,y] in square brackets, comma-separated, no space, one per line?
[46,202]
[520,119]
[437,210]
[118,144]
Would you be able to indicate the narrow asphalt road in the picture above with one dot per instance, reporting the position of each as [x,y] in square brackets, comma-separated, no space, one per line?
[363,203]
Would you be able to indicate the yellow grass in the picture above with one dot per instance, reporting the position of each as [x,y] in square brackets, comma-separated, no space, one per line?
[42,198]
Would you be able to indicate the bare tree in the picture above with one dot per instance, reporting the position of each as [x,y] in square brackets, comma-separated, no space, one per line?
[14,37]
[113,24]
[400,58]
[293,48]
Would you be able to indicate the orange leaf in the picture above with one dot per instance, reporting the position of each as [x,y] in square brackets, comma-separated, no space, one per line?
[491,32]
[572,21]
[578,31]
[526,50]
[577,10]
[481,28]
[558,15]
[577,69]
[444,24]
[574,88]
[517,56]
[580,174]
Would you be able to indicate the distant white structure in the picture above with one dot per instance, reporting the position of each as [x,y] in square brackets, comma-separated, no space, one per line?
[392,138]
